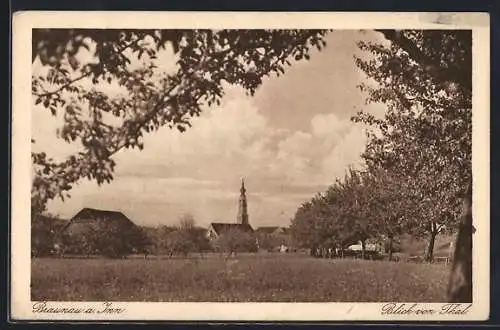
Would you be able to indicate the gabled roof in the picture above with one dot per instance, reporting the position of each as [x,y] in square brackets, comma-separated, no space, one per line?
[267,230]
[220,227]
[90,214]
[272,230]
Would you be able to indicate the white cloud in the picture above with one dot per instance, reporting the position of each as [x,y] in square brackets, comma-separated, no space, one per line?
[198,171]
[329,126]
[346,153]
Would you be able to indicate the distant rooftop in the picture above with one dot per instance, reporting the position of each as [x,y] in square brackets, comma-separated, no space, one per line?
[270,229]
[89,214]
[220,227]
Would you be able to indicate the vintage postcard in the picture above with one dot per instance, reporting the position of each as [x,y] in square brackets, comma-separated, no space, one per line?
[224,166]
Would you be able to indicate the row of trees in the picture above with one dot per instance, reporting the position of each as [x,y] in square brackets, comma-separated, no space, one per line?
[418,156]
[369,206]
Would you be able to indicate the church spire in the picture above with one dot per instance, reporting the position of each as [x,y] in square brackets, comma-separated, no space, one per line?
[242,189]
[242,207]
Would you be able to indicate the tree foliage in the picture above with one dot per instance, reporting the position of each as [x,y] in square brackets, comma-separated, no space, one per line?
[272,241]
[418,156]
[234,240]
[105,238]
[424,79]
[184,238]
[103,124]
[362,206]
[44,232]
[179,242]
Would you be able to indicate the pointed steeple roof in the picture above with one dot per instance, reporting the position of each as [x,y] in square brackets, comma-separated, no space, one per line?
[242,189]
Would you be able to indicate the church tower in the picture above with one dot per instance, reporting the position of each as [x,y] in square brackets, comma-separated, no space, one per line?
[242,207]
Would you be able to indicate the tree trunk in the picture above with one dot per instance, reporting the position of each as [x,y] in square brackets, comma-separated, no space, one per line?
[460,282]
[363,248]
[389,252]
[429,253]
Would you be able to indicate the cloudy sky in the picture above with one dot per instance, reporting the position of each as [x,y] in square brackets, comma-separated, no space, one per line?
[289,141]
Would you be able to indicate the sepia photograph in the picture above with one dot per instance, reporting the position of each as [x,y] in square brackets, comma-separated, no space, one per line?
[235,163]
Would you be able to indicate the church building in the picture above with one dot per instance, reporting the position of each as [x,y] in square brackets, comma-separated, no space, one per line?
[215,229]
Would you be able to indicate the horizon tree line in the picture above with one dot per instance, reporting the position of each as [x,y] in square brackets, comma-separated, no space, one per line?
[48,238]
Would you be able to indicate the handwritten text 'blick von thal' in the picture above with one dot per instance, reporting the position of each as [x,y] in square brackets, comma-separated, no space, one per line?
[416,309]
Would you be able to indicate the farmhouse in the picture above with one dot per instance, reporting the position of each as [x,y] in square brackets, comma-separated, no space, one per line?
[93,231]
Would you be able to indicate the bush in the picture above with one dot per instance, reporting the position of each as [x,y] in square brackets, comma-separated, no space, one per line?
[44,234]
[104,239]
[232,241]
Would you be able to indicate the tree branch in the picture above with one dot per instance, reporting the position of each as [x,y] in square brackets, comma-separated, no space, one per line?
[57,90]
[430,65]
[120,50]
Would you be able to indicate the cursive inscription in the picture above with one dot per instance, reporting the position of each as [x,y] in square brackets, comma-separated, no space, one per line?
[422,309]
[455,309]
[104,308]
[406,309]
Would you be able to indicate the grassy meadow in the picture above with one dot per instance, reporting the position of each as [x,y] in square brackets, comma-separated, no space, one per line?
[243,278]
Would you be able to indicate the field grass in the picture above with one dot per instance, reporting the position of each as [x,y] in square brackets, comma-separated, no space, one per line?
[276,278]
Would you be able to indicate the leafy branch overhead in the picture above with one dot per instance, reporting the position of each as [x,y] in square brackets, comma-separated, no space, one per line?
[444,55]
[103,124]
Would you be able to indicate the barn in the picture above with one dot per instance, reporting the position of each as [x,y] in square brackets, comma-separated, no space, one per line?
[109,233]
